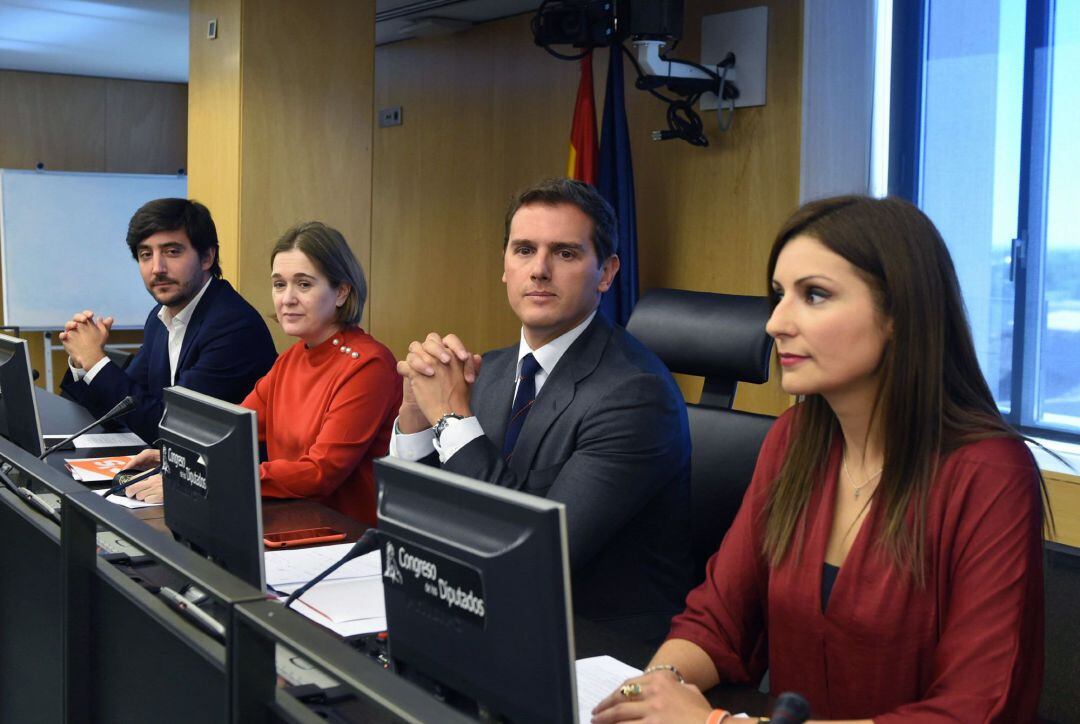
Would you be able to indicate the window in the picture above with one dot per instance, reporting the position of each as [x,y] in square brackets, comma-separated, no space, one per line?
[984,135]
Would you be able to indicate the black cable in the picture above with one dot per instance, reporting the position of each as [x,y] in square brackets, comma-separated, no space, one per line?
[712,74]
[641,76]
[685,123]
[562,56]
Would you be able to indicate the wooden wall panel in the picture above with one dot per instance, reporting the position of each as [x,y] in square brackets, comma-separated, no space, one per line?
[305,131]
[77,123]
[480,121]
[1064,492]
[487,112]
[213,122]
[145,126]
[58,120]
[707,216]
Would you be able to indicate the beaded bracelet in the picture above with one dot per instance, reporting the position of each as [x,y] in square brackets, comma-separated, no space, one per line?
[717,715]
[665,667]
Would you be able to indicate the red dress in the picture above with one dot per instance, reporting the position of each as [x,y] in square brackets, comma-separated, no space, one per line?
[967,647]
[324,416]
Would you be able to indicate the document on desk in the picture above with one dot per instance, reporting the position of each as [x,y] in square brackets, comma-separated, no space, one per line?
[295,567]
[124,501]
[110,439]
[96,470]
[349,602]
[597,677]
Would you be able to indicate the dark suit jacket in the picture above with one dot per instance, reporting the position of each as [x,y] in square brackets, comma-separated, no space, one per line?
[226,348]
[608,437]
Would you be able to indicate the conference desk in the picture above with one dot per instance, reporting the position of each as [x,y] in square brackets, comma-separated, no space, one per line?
[60,416]
[256,627]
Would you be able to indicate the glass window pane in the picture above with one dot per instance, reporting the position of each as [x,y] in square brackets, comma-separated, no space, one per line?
[970,172]
[1058,386]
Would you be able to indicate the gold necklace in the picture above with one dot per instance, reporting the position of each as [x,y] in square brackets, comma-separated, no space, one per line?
[851,479]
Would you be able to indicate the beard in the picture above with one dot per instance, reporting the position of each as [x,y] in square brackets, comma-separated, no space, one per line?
[177,294]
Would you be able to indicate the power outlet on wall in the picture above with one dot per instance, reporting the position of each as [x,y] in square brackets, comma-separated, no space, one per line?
[390,117]
[744,33]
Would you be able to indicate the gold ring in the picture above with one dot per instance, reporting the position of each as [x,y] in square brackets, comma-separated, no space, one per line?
[630,690]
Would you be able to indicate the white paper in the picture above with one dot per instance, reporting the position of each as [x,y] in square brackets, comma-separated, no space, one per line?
[597,677]
[124,501]
[348,600]
[347,628]
[296,566]
[110,439]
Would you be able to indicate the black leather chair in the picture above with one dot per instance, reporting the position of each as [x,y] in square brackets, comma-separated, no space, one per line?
[119,357]
[722,338]
[1060,702]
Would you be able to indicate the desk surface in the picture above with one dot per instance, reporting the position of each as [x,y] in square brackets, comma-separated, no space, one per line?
[60,416]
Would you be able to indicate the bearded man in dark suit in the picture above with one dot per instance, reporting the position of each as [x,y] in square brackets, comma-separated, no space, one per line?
[201,335]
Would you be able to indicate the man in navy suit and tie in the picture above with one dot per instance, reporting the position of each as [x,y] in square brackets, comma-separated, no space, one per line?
[202,335]
[577,411]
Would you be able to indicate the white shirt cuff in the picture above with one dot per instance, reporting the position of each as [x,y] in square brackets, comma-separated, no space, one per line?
[456,435]
[92,372]
[412,446]
[77,373]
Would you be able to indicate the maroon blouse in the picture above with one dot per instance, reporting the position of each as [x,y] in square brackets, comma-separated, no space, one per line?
[968,646]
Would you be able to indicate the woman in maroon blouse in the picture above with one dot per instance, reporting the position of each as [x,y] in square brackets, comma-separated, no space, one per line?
[886,561]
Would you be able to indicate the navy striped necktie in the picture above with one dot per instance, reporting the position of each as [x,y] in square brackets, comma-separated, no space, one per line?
[523,400]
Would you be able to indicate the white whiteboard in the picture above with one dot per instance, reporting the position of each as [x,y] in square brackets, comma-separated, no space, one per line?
[62,245]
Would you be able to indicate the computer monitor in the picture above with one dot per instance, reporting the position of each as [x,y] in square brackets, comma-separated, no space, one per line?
[210,477]
[477,588]
[19,421]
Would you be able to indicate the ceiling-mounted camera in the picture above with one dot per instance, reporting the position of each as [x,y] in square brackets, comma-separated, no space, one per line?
[652,26]
[598,23]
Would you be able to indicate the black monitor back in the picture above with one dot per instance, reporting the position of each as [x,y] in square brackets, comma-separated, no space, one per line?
[476,580]
[31,597]
[19,421]
[210,475]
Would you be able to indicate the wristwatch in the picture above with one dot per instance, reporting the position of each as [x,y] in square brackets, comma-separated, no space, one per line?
[441,423]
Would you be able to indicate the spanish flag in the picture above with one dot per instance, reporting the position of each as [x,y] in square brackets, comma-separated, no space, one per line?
[583,145]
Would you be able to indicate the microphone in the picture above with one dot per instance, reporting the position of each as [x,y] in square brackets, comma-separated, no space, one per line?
[125,405]
[791,708]
[368,542]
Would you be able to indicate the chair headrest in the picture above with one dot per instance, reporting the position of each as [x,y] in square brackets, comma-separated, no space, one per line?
[705,334]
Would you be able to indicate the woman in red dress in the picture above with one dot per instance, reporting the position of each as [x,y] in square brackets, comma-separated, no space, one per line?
[326,408]
[886,560]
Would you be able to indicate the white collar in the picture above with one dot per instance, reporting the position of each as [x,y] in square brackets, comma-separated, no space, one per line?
[549,355]
[184,314]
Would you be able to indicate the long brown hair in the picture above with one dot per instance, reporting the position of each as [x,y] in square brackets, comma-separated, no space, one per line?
[932,397]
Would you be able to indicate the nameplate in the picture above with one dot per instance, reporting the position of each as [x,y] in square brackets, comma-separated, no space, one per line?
[424,575]
[183,470]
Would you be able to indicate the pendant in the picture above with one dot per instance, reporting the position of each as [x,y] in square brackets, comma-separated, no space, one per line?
[857,491]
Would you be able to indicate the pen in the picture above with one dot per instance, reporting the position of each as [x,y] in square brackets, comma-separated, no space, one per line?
[40,504]
[201,617]
[137,478]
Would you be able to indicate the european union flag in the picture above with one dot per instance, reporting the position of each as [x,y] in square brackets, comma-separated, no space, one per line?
[616,184]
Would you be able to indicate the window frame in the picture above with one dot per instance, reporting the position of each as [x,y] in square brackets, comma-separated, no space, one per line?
[907,78]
